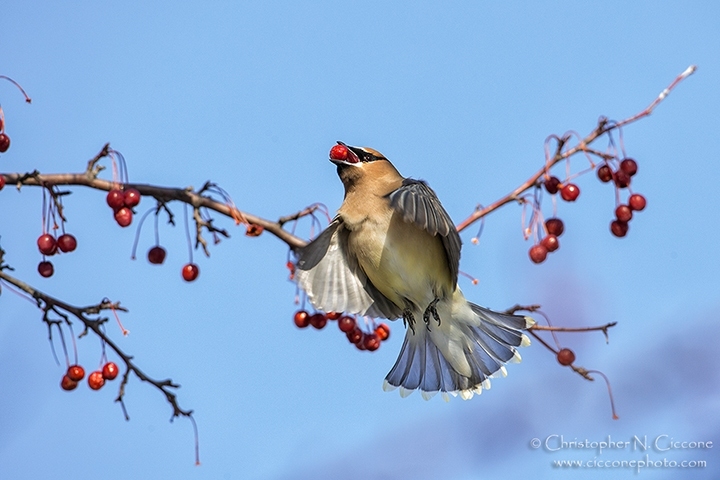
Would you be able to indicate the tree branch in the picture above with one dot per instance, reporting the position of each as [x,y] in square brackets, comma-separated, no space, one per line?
[604,126]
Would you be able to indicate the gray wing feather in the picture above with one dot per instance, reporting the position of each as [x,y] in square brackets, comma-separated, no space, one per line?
[333,280]
[419,205]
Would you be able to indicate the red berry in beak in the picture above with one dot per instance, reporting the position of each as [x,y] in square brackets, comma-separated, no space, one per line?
[339,152]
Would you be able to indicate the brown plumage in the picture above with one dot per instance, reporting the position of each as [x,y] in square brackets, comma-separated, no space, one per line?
[392,251]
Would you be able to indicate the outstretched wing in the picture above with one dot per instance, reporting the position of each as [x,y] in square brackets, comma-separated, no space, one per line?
[419,205]
[333,280]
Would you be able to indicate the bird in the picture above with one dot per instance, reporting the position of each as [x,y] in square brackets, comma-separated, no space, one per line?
[392,251]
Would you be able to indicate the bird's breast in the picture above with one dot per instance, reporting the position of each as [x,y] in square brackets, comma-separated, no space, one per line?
[404,262]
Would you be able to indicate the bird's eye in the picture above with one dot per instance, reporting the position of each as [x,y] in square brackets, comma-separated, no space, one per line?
[368,157]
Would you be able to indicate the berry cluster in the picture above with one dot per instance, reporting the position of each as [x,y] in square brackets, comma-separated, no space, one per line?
[348,325]
[615,171]
[49,246]
[122,202]
[621,177]
[96,379]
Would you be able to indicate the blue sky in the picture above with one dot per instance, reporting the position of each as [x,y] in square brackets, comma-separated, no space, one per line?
[253,96]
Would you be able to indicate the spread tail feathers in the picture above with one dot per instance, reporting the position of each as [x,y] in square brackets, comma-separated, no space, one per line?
[460,355]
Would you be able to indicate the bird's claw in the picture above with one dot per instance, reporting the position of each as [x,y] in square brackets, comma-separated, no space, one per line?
[431,310]
[409,320]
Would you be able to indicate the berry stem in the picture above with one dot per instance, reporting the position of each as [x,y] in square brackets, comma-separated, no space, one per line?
[187,233]
[609,388]
[22,90]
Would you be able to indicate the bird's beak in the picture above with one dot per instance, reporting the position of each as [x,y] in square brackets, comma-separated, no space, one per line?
[352,156]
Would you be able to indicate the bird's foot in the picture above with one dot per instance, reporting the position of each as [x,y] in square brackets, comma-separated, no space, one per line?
[409,319]
[431,310]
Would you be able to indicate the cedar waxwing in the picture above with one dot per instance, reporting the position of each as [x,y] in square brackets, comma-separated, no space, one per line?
[392,251]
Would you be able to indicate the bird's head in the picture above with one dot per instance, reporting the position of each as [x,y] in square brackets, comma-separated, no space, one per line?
[355,164]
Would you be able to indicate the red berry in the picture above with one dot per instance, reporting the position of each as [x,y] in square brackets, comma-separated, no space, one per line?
[4,142]
[360,344]
[67,383]
[2,182]
[333,315]
[96,380]
[382,331]
[550,242]
[629,166]
[123,216]
[637,202]
[566,357]
[66,243]
[552,185]
[371,341]
[115,199]
[623,213]
[110,371]
[190,272]
[45,269]
[569,192]
[554,226]
[75,373]
[604,173]
[346,324]
[156,255]
[538,253]
[339,152]
[301,319]
[131,197]
[47,244]
[355,335]
[318,320]
[618,228]
[621,178]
